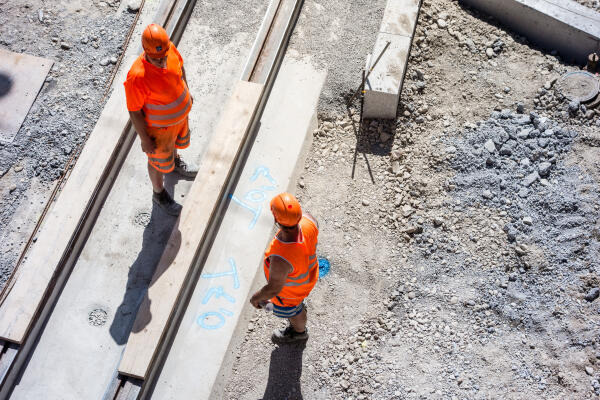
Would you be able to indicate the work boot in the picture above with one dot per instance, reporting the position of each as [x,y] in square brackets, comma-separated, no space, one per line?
[166,202]
[288,335]
[185,169]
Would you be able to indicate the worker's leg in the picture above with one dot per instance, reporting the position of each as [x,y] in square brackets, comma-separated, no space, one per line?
[156,177]
[298,322]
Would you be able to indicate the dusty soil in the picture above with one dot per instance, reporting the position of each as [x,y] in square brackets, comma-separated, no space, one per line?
[84,38]
[452,276]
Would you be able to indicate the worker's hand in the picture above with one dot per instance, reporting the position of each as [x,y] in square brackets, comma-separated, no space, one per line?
[148,145]
[255,300]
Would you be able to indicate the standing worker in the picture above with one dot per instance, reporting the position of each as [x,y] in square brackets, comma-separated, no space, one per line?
[291,267]
[159,102]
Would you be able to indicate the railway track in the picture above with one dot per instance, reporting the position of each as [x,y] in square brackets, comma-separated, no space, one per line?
[261,69]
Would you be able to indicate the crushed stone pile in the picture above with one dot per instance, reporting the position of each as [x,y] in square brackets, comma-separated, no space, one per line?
[514,163]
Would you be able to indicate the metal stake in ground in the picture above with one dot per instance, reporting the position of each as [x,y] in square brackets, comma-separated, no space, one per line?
[362,85]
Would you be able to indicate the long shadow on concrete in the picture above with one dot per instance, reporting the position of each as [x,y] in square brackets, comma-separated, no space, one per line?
[155,238]
[6,84]
[285,371]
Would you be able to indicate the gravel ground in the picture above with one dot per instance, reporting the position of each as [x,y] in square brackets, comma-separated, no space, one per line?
[463,237]
[84,38]
[339,33]
[593,4]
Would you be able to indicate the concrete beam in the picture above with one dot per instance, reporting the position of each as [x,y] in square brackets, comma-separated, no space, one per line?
[563,25]
[191,370]
[382,90]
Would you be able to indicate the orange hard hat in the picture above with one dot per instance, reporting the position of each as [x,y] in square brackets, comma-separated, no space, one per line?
[155,41]
[286,209]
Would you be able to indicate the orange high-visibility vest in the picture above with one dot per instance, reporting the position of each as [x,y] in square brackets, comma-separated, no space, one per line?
[160,92]
[302,256]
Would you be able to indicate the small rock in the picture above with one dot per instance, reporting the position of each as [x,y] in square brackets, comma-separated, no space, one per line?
[490,146]
[487,194]
[250,326]
[520,108]
[113,60]
[527,220]
[437,222]
[41,15]
[589,371]
[12,188]
[544,168]
[18,168]
[396,169]
[453,300]
[365,202]
[105,61]
[65,46]
[530,179]
[574,107]
[489,52]
[133,6]
[442,23]
[411,295]
[592,294]
[301,184]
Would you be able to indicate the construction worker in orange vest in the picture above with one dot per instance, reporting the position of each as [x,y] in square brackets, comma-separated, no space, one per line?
[159,102]
[291,267]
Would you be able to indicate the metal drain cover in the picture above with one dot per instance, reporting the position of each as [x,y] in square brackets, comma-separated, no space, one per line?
[578,85]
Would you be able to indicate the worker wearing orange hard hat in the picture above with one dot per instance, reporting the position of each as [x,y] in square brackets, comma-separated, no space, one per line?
[159,102]
[291,267]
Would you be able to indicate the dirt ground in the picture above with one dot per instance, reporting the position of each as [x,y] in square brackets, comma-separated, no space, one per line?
[436,290]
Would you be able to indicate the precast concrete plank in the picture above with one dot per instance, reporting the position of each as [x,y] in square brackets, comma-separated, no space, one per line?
[562,25]
[82,344]
[180,252]
[382,89]
[21,78]
[384,83]
[400,17]
[192,366]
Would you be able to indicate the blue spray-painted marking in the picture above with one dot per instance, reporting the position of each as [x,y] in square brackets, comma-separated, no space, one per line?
[258,195]
[218,292]
[202,320]
[324,266]
[233,272]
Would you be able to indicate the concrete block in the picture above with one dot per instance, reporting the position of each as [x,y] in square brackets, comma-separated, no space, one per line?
[400,17]
[382,89]
[563,25]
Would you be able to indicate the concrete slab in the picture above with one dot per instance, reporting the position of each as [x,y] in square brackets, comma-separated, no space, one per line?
[400,17]
[385,82]
[382,90]
[563,25]
[21,78]
[82,344]
[192,367]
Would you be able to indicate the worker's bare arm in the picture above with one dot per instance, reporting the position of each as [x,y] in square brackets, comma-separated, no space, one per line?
[137,119]
[278,272]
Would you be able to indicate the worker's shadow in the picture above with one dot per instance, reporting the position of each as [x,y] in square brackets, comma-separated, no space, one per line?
[285,371]
[135,300]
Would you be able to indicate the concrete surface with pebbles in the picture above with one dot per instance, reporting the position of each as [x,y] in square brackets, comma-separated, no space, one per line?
[451,278]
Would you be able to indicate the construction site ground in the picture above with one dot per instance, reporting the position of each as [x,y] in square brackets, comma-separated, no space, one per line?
[452,275]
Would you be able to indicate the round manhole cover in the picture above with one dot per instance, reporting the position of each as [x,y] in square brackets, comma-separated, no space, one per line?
[578,85]
[97,317]
[142,218]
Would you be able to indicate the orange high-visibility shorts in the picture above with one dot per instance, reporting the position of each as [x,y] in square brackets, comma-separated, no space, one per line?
[167,140]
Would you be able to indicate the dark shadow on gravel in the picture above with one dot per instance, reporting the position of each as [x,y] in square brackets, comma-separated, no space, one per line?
[6,84]
[285,371]
[155,238]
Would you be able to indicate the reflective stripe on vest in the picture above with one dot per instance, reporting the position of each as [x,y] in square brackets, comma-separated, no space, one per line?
[164,115]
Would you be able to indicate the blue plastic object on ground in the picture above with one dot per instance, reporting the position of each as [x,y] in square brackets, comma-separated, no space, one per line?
[323,267]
